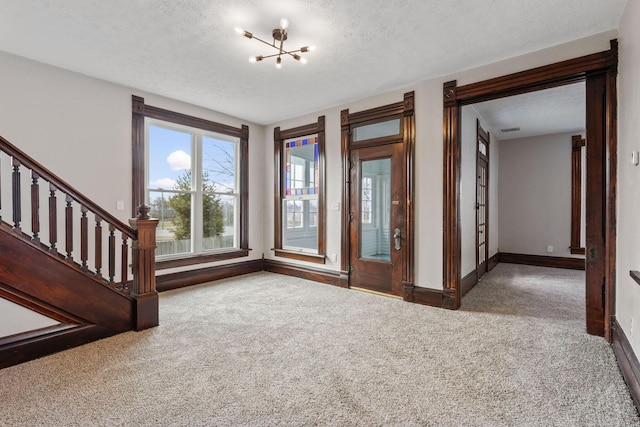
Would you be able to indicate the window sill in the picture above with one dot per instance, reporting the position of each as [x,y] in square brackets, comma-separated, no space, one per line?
[201,258]
[300,256]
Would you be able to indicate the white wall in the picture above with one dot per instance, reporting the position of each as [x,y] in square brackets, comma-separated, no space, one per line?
[535,195]
[628,247]
[80,128]
[429,168]
[15,319]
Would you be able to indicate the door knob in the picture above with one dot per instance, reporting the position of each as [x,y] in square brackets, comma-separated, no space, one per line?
[397,238]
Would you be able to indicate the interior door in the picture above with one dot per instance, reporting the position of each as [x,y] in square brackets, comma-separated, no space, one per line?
[482,202]
[376,216]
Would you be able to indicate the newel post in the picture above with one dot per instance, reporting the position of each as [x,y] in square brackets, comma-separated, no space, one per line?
[144,270]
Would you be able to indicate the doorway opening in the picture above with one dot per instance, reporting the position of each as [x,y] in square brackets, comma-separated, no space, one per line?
[598,71]
[377,239]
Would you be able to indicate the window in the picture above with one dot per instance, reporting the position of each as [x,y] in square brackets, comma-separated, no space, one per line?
[193,175]
[299,198]
[367,200]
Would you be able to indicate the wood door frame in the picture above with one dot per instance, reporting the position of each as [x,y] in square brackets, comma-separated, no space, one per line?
[404,110]
[553,75]
[483,135]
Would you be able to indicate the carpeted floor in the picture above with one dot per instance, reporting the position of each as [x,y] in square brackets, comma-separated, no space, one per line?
[267,349]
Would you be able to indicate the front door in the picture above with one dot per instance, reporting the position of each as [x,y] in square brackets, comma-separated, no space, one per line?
[377,229]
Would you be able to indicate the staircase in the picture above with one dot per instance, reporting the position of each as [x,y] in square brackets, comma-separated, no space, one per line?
[95,280]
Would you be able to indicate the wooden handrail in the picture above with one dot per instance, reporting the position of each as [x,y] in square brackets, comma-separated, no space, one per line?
[61,185]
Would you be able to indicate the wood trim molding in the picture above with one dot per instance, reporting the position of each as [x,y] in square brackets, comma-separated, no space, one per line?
[48,341]
[468,282]
[193,277]
[279,135]
[601,130]
[318,275]
[423,296]
[493,261]
[635,275]
[405,110]
[199,259]
[627,361]
[542,261]
[301,256]
[577,143]
[140,110]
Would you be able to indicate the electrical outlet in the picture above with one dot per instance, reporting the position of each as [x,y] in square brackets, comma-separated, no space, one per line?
[549,249]
[120,205]
[335,206]
[334,257]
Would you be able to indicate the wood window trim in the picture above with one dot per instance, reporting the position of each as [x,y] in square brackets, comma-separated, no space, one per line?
[140,111]
[279,135]
[404,110]
[602,66]
[577,143]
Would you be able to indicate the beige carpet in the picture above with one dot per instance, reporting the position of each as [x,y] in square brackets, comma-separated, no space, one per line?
[267,350]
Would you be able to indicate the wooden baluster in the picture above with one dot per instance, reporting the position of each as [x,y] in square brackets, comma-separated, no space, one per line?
[144,270]
[84,238]
[0,190]
[16,198]
[53,219]
[112,253]
[124,270]
[98,248]
[35,207]
[68,222]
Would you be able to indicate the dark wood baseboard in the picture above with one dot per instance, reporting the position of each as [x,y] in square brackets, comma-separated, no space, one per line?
[542,261]
[35,344]
[317,275]
[627,361]
[424,296]
[493,261]
[468,282]
[181,279]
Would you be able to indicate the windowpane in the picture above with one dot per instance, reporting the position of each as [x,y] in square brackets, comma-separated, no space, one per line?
[197,215]
[301,166]
[375,199]
[173,209]
[169,159]
[376,130]
[297,234]
[219,220]
[218,165]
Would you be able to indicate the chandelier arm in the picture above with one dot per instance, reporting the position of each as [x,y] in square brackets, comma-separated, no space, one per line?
[267,43]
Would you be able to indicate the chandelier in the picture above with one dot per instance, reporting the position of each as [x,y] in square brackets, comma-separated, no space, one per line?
[279,35]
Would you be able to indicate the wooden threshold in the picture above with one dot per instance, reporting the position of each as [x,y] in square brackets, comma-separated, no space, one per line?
[369,291]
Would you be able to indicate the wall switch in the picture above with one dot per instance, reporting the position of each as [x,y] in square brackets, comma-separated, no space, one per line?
[334,257]
[635,158]
[549,249]
[120,205]
[335,206]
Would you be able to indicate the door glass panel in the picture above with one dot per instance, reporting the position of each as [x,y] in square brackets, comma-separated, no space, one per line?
[376,130]
[375,210]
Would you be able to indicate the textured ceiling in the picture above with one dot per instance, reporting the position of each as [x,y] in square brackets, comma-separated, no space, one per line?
[188,50]
[548,111]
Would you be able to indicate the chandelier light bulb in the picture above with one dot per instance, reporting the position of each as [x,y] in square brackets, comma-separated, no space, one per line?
[253,59]
[278,63]
[284,23]
[239,30]
[303,60]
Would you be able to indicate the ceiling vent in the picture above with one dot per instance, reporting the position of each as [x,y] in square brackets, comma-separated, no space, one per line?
[509,130]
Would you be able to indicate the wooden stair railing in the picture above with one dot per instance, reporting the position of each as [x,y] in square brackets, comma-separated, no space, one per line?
[82,250]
